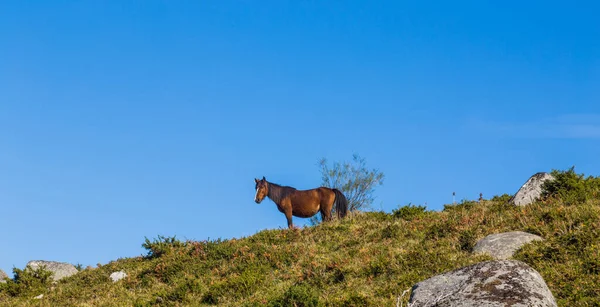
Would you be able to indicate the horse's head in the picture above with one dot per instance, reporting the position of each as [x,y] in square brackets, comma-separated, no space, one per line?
[262,189]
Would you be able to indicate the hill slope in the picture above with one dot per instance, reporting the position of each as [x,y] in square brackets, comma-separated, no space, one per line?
[368,259]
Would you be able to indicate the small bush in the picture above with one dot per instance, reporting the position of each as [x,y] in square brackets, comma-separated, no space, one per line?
[28,281]
[501,199]
[161,246]
[467,240]
[409,212]
[379,215]
[463,205]
[570,187]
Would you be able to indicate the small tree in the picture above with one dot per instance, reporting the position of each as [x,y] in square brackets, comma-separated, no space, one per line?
[353,179]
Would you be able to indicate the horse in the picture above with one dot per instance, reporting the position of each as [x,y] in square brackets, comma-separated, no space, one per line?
[302,203]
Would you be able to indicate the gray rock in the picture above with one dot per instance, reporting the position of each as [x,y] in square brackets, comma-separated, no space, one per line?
[60,270]
[3,277]
[531,189]
[502,246]
[116,276]
[489,284]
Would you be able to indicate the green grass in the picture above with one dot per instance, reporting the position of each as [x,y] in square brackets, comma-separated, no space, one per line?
[367,259]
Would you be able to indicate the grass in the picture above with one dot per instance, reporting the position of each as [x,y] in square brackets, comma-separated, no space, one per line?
[367,259]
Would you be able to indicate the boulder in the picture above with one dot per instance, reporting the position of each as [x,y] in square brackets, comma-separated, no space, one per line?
[60,270]
[502,246]
[531,190]
[489,283]
[116,276]
[3,277]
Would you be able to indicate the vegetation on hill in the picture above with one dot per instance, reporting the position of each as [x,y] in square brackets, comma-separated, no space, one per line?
[368,259]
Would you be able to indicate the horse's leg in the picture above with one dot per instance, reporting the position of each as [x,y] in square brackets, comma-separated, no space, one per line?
[325,214]
[288,216]
[287,210]
[325,208]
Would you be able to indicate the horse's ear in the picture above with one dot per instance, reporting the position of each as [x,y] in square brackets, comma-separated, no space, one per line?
[264,179]
[255,180]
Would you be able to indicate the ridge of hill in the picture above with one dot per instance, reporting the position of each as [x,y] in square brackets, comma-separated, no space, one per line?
[366,259]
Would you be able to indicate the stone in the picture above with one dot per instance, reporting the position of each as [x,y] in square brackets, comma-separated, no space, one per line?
[3,277]
[116,276]
[60,270]
[502,246]
[485,284]
[531,190]
[39,297]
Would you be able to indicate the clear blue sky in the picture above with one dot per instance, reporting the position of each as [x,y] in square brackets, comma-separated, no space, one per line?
[126,119]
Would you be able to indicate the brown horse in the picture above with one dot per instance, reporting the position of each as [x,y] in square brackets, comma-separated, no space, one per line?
[302,203]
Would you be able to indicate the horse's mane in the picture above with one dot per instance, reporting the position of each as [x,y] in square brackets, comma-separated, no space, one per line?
[278,192]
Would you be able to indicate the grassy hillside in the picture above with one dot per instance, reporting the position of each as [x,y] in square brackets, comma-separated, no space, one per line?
[368,259]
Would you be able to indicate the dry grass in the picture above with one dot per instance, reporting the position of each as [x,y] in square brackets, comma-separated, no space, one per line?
[369,259]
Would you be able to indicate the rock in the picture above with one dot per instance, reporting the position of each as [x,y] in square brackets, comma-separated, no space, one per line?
[490,283]
[60,270]
[531,190]
[116,276]
[3,277]
[502,246]
[39,297]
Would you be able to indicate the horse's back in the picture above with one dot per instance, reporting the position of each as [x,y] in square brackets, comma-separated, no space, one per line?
[321,192]
[316,196]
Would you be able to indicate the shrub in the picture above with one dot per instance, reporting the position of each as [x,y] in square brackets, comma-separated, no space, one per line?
[161,246]
[502,199]
[467,240]
[379,215]
[463,205]
[28,281]
[570,187]
[409,212]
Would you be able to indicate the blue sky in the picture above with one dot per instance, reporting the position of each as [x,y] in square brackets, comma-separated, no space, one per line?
[121,120]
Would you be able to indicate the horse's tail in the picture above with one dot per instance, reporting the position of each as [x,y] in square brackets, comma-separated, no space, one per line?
[341,203]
